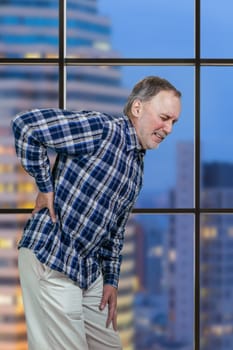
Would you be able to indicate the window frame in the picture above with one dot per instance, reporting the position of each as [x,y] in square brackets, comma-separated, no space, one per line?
[197,62]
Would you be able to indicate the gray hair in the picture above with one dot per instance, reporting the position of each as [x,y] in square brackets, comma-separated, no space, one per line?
[147,88]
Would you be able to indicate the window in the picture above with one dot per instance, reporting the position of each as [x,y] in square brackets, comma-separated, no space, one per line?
[89,54]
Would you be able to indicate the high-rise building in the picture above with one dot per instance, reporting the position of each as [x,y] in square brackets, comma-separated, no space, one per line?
[216,259]
[180,261]
[29,29]
[216,251]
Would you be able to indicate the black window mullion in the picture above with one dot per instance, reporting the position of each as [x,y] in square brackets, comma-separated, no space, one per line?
[62,54]
[197,179]
[197,188]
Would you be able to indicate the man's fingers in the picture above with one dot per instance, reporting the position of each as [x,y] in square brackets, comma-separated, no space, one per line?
[114,321]
[36,209]
[103,303]
[45,200]
[111,317]
[110,297]
[52,214]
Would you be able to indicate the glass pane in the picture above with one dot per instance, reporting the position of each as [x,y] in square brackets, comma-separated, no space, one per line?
[106,28]
[29,28]
[216,137]
[216,282]
[12,322]
[21,88]
[168,180]
[216,29]
[162,257]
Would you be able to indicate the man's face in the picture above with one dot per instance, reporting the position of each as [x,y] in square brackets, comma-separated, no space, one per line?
[154,119]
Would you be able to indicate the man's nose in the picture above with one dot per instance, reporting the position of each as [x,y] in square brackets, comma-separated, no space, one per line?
[168,127]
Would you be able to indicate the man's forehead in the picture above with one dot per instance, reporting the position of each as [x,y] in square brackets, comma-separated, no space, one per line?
[167,102]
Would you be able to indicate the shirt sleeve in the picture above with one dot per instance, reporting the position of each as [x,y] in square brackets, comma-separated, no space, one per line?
[110,252]
[65,132]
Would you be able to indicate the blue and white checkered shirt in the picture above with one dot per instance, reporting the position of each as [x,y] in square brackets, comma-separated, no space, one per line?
[95,182]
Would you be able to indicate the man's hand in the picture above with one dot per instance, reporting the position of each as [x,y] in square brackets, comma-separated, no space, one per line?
[45,200]
[110,297]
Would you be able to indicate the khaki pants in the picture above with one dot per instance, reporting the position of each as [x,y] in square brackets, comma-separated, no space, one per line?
[60,315]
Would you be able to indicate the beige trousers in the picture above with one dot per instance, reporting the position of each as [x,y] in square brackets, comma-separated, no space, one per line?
[60,315]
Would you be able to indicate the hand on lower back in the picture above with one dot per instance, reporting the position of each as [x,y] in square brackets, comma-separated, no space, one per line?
[45,200]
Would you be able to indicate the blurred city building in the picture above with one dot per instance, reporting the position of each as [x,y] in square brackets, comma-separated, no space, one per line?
[180,260]
[164,301]
[216,258]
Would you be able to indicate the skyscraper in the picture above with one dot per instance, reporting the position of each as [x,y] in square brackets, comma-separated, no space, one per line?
[216,251]
[216,259]
[180,269]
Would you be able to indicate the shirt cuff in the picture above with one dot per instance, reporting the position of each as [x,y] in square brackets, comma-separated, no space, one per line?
[45,186]
[111,279]
[111,273]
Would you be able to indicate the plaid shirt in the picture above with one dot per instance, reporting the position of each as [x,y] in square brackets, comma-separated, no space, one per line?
[96,181]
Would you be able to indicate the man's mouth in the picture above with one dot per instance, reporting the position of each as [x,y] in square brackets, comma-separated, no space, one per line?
[160,136]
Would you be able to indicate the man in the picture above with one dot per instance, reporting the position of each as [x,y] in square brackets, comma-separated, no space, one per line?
[70,252]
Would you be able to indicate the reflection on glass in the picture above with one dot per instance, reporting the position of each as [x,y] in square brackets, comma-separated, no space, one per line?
[217,28]
[216,282]
[21,88]
[157,29]
[216,136]
[29,29]
[162,254]
[168,180]
[12,322]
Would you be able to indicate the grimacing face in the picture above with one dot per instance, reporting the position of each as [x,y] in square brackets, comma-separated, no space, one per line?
[154,119]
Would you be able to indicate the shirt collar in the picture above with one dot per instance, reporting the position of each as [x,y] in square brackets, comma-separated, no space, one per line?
[131,136]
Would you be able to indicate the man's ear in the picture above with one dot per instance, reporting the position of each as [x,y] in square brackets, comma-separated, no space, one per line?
[136,108]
